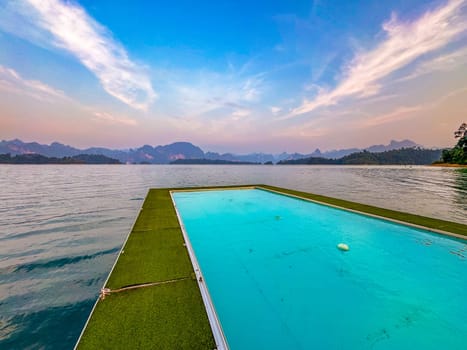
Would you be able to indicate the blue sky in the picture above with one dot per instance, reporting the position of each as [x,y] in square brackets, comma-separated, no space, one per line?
[240,76]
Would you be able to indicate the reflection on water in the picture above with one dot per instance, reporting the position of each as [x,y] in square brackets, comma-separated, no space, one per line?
[461,188]
[62,226]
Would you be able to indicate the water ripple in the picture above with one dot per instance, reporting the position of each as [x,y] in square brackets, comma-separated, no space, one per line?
[62,261]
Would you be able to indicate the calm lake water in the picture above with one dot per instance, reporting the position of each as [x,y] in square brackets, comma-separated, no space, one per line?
[62,226]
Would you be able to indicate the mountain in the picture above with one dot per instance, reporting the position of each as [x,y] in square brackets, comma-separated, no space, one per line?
[210,161]
[164,154]
[249,158]
[290,156]
[55,149]
[122,156]
[339,153]
[180,150]
[373,149]
[34,158]
[403,156]
[145,154]
[392,145]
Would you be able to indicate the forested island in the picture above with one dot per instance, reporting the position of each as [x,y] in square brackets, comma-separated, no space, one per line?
[457,154]
[210,161]
[404,156]
[40,159]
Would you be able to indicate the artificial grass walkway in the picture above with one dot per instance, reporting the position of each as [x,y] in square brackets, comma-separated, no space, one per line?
[172,315]
[426,222]
[165,316]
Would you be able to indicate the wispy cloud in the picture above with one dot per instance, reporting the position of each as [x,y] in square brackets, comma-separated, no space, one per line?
[408,112]
[240,114]
[404,43]
[12,81]
[398,114]
[204,92]
[111,119]
[73,30]
[250,90]
[444,63]
[275,109]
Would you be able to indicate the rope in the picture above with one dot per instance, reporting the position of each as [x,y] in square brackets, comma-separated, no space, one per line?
[107,291]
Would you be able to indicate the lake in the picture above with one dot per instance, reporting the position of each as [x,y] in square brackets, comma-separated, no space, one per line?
[61,226]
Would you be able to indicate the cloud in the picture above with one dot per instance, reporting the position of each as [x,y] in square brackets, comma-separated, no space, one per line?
[276,110]
[404,43]
[399,113]
[11,81]
[70,28]
[240,114]
[251,88]
[407,112]
[444,63]
[205,92]
[111,119]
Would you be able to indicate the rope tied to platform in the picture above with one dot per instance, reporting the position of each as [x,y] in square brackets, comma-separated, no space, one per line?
[107,291]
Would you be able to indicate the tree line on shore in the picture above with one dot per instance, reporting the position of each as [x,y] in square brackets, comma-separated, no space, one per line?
[40,159]
[404,156]
[457,154]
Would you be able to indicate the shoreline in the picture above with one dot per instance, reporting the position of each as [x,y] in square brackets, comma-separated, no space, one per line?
[449,165]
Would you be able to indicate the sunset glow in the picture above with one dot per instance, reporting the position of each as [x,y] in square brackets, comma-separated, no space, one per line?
[233,76]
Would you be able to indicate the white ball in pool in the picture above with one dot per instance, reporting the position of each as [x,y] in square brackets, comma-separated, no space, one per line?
[342,246]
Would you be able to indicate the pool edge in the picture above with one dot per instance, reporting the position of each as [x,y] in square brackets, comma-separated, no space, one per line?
[216,326]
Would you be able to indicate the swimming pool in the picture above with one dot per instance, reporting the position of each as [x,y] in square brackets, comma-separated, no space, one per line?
[277,280]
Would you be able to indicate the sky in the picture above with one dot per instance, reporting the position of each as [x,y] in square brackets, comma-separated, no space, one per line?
[238,76]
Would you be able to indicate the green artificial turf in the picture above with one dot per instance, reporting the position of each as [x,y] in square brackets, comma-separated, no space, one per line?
[427,222]
[166,316]
[169,316]
[142,263]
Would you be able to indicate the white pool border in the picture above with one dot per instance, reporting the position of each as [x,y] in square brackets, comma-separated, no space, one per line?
[216,327]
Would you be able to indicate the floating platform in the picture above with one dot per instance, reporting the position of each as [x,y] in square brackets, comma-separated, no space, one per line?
[152,299]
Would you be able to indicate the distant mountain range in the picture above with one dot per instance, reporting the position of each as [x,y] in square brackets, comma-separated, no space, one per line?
[403,156]
[204,161]
[179,150]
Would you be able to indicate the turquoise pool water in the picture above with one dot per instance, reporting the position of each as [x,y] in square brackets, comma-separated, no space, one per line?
[278,281]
